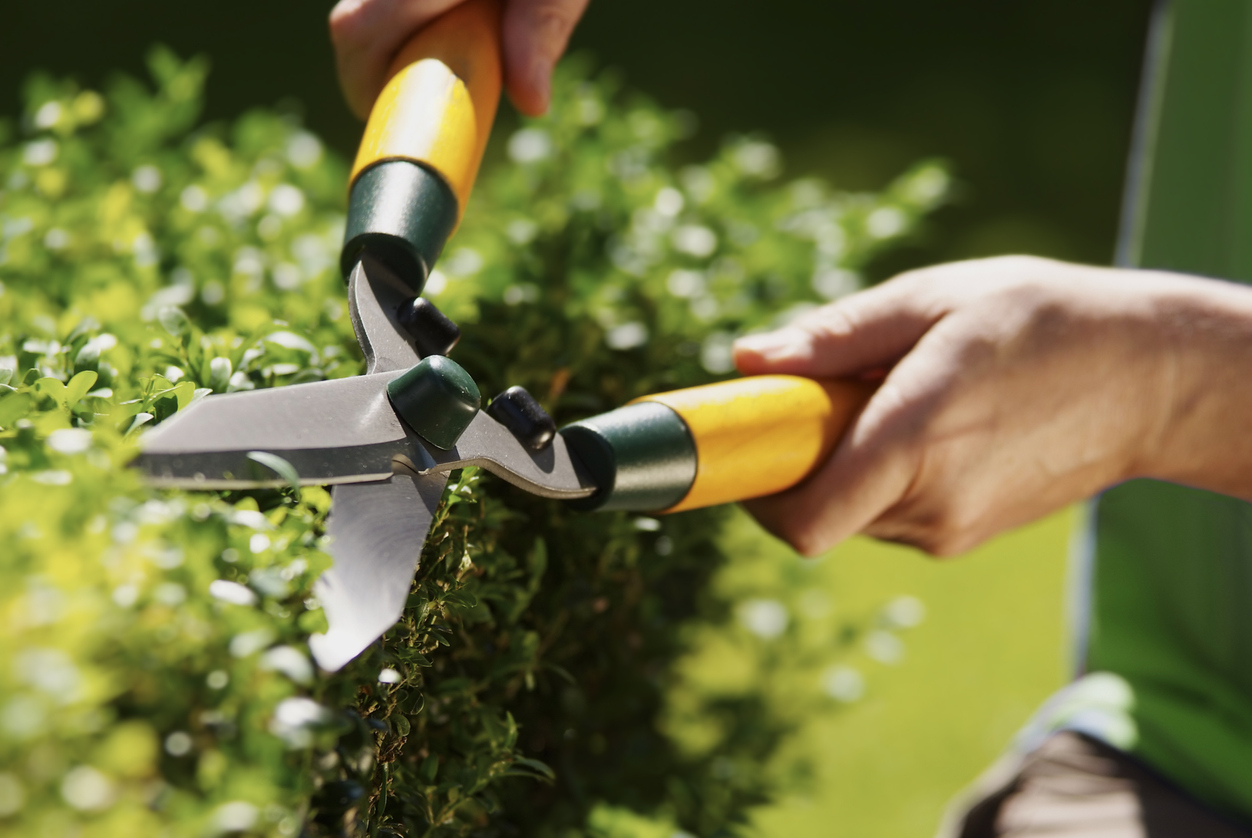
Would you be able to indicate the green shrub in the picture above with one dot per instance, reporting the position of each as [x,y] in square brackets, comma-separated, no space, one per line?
[154,678]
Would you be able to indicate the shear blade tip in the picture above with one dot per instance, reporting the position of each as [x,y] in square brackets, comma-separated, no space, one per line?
[333,650]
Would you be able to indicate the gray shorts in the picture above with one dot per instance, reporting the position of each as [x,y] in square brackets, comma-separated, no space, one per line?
[1077,787]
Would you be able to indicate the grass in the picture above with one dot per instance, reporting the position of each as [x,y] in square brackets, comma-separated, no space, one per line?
[991,649]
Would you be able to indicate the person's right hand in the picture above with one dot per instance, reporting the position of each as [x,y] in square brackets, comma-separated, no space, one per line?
[367,34]
[1016,386]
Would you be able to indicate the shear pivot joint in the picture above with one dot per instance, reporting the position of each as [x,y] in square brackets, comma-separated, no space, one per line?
[437,398]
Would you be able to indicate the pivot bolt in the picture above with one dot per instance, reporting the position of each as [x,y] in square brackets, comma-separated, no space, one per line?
[518,411]
[437,398]
[430,329]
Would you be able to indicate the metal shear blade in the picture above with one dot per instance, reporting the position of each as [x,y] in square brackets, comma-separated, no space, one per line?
[387,480]
[336,432]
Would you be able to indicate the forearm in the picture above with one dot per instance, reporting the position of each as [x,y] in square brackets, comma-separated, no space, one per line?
[1204,343]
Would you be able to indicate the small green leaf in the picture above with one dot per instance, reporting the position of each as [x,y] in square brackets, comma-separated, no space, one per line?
[174,321]
[313,622]
[53,389]
[538,561]
[138,422]
[220,371]
[79,386]
[184,391]
[535,766]
[88,356]
[13,407]
[460,599]
[158,385]
[279,466]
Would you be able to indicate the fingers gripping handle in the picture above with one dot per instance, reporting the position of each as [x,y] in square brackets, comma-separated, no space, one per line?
[441,98]
[424,141]
[715,444]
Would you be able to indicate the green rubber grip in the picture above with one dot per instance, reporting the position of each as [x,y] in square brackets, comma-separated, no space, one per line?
[642,457]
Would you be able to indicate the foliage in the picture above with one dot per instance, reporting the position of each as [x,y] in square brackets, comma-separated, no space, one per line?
[155,676]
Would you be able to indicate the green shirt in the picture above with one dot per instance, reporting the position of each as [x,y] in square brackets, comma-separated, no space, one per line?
[1164,571]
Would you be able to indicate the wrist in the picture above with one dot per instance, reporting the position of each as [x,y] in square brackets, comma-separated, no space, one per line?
[1200,391]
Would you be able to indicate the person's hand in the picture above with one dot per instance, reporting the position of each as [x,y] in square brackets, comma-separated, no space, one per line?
[367,34]
[1016,386]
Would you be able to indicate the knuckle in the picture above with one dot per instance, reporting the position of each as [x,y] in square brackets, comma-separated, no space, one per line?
[1014,262]
[801,529]
[1011,267]
[929,292]
[938,545]
[837,321]
[1023,276]
[785,519]
[918,536]
[806,541]
[347,21]
[922,280]
[950,284]
[554,18]
[950,533]
[915,277]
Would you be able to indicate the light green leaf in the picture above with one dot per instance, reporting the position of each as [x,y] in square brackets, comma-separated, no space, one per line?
[174,321]
[13,407]
[279,466]
[79,385]
[52,388]
[184,391]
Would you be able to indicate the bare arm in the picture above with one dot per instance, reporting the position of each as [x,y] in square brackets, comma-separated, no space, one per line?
[367,34]
[1016,386]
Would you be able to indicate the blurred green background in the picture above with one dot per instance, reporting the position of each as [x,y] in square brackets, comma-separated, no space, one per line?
[1032,105]
[988,653]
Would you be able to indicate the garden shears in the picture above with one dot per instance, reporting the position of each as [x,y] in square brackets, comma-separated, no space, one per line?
[386,440]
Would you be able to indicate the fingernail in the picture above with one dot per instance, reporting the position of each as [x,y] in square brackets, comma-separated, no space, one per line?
[774,346]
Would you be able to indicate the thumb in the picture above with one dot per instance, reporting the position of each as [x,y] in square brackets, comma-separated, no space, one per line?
[535,35]
[866,331]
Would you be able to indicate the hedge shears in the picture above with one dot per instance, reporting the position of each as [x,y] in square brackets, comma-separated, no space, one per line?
[386,440]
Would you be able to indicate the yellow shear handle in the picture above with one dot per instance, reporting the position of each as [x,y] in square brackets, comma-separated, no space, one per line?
[759,435]
[441,98]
